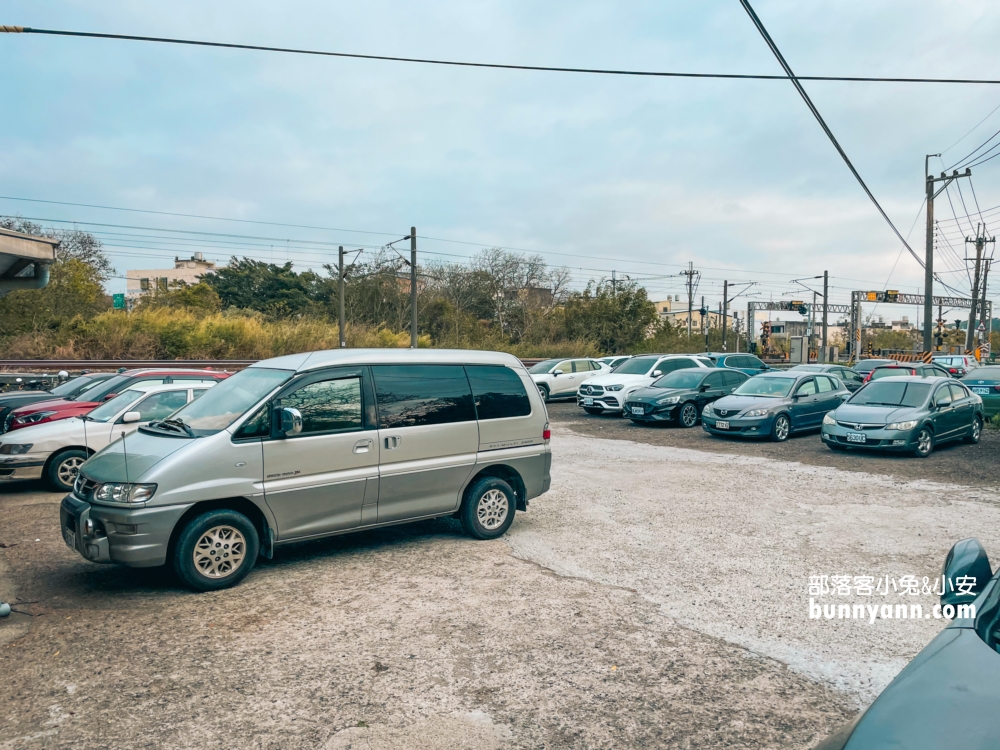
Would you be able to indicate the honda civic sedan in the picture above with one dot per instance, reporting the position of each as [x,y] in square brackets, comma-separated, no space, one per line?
[774,405]
[905,414]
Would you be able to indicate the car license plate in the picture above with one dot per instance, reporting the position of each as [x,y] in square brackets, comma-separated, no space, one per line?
[588,401]
[857,437]
[69,538]
[721,425]
[638,410]
[981,391]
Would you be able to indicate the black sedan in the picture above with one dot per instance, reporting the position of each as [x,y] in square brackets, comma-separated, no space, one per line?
[946,696]
[680,396]
[774,405]
[865,366]
[847,376]
[14,399]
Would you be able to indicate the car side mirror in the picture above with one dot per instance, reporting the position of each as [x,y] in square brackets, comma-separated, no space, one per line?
[704,387]
[765,366]
[557,372]
[657,373]
[131,416]
[966,572]
[291,421]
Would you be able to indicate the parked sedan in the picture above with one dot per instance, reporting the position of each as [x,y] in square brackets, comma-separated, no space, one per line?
[68,390]
[906,414]
[985,383]
[54,451]
[680,396]
[901,368]
[561,378]
[865,366]
[774,405]
[946,696]
[851,380]
[957,364]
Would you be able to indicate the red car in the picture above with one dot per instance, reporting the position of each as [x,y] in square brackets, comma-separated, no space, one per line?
[920,368]
[59,408]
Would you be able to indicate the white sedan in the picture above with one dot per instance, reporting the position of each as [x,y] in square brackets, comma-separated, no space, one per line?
[561,378]
[54,451]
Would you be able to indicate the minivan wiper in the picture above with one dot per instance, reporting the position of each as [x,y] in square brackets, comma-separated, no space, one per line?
[175,425]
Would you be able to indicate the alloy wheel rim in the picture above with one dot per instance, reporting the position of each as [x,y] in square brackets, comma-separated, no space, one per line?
[492,509]
[924,442]
[781,428]
[976,429]
[219,552]
[68,469]
[689,416]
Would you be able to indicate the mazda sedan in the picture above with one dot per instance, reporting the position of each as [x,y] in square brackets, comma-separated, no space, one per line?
[774,405]
[905,414]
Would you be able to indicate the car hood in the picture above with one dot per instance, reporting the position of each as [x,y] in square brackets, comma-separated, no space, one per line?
[130,461]
[615,379]
[652,395]
[874,414]
[13,397]
[54,404]
[51,435]
[740,403]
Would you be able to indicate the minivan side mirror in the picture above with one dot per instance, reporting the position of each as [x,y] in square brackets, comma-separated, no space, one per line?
[291,421]
[966,572]
[131,416]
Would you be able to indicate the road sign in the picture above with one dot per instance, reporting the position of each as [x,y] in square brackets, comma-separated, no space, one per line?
[118,301]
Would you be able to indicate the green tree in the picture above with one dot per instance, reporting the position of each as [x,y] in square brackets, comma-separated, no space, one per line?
[276,291]
[619,319]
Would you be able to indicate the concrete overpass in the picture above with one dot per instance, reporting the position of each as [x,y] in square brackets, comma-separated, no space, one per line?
[24,260]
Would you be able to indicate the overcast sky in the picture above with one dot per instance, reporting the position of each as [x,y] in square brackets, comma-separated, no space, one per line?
[638,175]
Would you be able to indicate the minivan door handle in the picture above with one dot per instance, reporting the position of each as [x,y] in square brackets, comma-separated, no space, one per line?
[363,446]
[392,442]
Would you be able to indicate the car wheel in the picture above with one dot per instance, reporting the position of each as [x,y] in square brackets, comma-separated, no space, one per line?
[976,432]
[62,469]
[781,428]
[592,410]
[543,390]
[689,415]
[925,443]
[216,550]
[488,508]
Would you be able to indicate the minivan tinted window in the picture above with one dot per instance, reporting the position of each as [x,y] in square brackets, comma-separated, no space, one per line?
[327,406]
[499,392]
[415,395]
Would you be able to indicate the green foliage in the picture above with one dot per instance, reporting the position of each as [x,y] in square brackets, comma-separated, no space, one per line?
[617,320]
[276,291]
[200,296]
[74,290]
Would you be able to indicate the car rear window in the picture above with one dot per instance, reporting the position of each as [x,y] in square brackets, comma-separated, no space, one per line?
[892,394]
[984,373]
[498,391]
[890,372]
[415,395]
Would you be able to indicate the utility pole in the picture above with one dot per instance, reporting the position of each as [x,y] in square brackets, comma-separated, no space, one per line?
[986,321]
[940,328]
[690,273]
[980,241]
[826,303]
[704,314]
[812,329]
[340,267]
[413,287]
[725,312]
[614,283]
[736,331]
[929,252]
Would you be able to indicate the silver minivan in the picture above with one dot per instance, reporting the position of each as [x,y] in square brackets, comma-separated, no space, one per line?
[311,445]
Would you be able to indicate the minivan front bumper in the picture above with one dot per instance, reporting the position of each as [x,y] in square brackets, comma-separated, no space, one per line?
[136,537]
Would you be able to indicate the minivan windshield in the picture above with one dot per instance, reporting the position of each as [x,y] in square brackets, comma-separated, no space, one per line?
[229,400]
[543,367]
[102,388]
[680,379]
[772,387]
[891,394]
[636,366]
[109,409]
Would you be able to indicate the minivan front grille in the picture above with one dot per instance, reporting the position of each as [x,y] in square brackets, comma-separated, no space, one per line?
[83,488]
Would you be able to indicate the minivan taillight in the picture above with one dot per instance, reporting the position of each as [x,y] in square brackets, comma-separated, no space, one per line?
[546,432]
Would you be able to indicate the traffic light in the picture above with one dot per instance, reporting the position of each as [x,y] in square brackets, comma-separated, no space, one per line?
[871,349]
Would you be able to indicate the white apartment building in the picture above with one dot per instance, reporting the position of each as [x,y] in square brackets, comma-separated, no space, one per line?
[145,280]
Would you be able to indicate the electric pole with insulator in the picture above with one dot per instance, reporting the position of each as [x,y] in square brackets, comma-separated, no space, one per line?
[413,287]
[929,252]
[340,293]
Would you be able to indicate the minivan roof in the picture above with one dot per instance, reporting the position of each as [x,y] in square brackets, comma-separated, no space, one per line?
[338,357]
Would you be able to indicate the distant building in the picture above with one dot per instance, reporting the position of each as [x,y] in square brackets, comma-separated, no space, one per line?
[189,270]
[668,305]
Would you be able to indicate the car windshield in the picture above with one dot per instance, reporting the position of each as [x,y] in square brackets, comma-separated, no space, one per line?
[543,367]
[110,409]
[773,387]
[680,379]
[102,388]
[230,399]
[891,394]
[72,387]
[636,366]
[890,372]
[984,373]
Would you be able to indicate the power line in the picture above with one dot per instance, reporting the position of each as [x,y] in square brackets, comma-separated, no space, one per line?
[971,131]
[466,64]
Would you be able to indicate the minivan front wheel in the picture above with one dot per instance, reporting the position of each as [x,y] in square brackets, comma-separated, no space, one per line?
[216,550]
[488,508]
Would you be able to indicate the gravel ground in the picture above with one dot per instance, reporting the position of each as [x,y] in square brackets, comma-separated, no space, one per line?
[656,597]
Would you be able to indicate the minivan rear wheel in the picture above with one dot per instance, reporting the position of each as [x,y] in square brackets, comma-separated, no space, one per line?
[488,508]
[216,550]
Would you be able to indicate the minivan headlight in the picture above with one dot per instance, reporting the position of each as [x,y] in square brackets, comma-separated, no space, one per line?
[902,425]
[15,449]
[756,413]
[828,418]
[124,492]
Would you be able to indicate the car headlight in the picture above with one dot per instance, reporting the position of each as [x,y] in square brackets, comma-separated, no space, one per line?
[902,425]
[15,449]
[613,387]
[707,409]
[38,416]
[669,400]
[124,492]
[828,418]
[756,413]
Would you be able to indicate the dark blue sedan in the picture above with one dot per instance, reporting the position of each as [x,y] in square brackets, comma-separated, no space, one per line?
[774,405]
